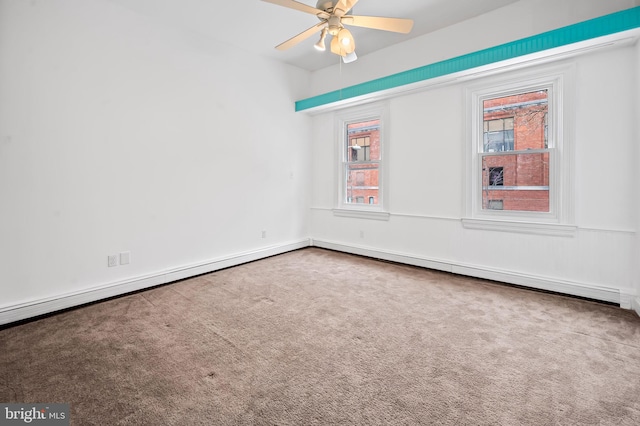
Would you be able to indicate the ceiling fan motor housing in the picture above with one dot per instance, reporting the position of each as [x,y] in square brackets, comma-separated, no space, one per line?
[327,5]
[334,25]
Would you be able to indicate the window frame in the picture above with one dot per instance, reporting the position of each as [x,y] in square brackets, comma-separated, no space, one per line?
[558,80]
[378,111]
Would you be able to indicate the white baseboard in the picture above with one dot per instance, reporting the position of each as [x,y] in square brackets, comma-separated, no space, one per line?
[626,298]
[541,283]
[33,308]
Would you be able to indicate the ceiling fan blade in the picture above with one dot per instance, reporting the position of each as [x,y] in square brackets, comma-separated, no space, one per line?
[348,4]
[397,25]
[292,4]
[300,37]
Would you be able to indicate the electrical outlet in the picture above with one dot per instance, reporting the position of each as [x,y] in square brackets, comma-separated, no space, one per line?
[264,234]
[112,260]
[125,257]
[361,234]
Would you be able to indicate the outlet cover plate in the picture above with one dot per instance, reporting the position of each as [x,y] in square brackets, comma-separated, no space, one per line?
[125,257]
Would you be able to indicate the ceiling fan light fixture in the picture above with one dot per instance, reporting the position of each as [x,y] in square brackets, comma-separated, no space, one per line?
[320,44]
[336,47]
[346,40]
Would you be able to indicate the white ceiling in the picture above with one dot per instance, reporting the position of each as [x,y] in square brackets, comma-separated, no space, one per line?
[257,27]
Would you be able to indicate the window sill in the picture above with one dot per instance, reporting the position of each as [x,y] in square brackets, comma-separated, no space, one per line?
[552,229]
[361,214]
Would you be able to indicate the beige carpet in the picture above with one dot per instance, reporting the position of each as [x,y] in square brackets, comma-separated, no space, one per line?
[318,337]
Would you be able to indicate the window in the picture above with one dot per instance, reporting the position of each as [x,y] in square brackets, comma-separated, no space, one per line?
[496,176]
[496,204]
[498,134]
[517,143]
[360,143]
[518,161]
[360,148]
[362,165]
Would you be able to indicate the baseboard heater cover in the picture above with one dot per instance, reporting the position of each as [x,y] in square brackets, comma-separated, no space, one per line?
[36,308]
[584,290]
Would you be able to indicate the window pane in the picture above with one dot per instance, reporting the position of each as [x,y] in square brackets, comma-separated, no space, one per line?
[508,123]
[362,183]
[495,205]
[516,182]
[498,141]
[515,122]
[363,142]
[496,176]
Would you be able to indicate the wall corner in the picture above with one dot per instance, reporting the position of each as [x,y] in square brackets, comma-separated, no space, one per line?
[635,305]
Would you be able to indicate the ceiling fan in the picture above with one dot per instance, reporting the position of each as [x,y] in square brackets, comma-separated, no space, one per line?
[333,17]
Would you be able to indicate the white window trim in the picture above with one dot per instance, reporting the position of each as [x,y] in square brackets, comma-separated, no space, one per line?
[559,220]
[342,119]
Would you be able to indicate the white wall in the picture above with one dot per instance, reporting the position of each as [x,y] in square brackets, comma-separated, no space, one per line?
[518,20]
[118,134]
[426,168]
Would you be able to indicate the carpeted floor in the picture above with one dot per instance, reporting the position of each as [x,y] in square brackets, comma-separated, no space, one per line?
[318,337]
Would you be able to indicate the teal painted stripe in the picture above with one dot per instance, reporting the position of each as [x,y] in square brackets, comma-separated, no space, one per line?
[593,28]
